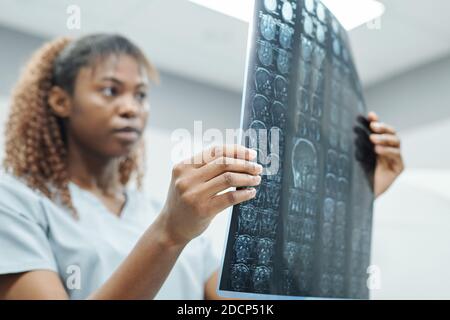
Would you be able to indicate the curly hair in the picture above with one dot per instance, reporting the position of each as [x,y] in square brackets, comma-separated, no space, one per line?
[35,143]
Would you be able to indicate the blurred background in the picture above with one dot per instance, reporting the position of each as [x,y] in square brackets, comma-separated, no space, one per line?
[404,67]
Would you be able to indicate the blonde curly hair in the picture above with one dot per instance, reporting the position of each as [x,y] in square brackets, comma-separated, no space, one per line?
[35,144]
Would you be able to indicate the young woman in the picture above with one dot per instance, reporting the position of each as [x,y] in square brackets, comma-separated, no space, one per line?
[70,224]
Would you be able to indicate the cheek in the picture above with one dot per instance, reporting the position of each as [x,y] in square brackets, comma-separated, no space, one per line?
[89,124]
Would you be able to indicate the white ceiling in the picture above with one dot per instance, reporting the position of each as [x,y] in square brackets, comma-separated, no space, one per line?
[194,42]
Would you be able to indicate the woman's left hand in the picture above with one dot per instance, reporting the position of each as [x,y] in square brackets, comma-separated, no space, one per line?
[389,158]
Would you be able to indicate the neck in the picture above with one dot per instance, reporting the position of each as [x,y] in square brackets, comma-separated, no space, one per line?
[92,171]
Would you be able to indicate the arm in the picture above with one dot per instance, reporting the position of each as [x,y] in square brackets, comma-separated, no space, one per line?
[131,281]
[195,197]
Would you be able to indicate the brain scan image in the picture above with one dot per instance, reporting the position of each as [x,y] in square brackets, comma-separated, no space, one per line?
[308,230]
[320,33]
[261,108]
[286,34]
[306,257]
[327,234]
[317,106]
[303,100]
[308,25]
[332,161]
[301,125]
[304,160]
[307,233]
[325,284]
[283,61]
[314,130]
[334,114]
[328,210]
[319,57]
[268,223]
[281,88]
[240,275]
[305,72]
[333,137]
[321,13]
[264,249]
[306,49]
[279,114]
[340,213]
[248,223]
[343,166]
[294,224]
[287,11]
[263,81]
[270,5]
[276,142]
[268,27]
[317,82]
[265,53]
[310,5]
[243,248]
[331,185]
[344,142]
[256,134]
[339,237]
[261,279]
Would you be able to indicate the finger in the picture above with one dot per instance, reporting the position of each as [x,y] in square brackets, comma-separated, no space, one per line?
[224,164]
[388,140]
[390,152]
[229,180]
[379,127]
[372,116]
[213,153]
[231,198]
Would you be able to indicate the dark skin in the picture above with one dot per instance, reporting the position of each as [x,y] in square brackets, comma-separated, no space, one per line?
[108,98]
[111,97]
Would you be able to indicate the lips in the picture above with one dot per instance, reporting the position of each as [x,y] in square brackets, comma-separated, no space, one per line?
[127,134]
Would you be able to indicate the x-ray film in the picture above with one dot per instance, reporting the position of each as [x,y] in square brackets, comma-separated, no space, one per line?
[308,231]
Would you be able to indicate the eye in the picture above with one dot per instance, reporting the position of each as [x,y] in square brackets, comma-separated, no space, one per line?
[141,96]
[109,91]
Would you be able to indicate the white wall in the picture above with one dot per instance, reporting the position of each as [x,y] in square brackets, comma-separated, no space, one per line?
[412,221]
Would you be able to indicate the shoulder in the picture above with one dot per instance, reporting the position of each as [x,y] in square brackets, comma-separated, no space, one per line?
[16,196]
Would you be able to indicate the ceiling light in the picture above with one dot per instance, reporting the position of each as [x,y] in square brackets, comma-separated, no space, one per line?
[351,13]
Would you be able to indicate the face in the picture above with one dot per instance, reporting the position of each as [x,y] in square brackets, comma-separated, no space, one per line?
[109,107]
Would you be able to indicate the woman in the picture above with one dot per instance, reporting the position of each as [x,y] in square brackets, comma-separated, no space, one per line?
[70,227]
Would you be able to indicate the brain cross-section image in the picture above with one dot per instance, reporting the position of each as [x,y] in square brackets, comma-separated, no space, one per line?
[307,233]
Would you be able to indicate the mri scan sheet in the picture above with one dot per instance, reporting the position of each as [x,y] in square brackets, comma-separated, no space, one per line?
[307,233]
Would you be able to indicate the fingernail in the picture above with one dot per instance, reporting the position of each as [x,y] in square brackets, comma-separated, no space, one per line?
[252,191]
[375,125]
[375,137]
[258,179]
[259,168]
[253,153]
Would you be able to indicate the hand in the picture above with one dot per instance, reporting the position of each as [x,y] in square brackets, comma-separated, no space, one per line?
[193,199]
[389,163]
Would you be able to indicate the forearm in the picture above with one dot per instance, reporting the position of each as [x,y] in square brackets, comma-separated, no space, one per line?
[145,269]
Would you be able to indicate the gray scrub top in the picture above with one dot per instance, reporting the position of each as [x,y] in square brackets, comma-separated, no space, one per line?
[37,234]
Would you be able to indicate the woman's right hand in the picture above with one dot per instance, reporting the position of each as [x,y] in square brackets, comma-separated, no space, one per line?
[196,191]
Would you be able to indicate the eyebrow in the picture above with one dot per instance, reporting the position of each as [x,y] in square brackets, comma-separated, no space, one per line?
[117,81]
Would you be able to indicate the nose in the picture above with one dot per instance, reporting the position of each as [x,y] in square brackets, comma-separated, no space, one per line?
[129,108]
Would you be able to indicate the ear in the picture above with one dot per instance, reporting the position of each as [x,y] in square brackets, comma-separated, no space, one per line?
[60,102]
